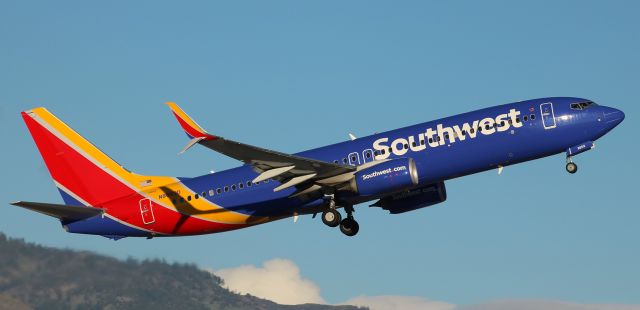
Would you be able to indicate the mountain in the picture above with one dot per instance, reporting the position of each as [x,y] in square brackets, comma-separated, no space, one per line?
[37,277]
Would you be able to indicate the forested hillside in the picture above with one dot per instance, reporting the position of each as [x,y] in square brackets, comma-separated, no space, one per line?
[37,277]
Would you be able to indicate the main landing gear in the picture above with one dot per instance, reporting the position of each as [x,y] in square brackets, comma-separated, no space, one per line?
[349,226]
[332,218]
[571,166]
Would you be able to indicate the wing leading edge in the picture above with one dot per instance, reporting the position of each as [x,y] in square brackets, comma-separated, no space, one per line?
[291,170]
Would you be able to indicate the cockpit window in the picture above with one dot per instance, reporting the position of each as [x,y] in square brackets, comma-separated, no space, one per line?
[581,105]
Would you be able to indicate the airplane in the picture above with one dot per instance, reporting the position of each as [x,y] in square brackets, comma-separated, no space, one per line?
[401,170]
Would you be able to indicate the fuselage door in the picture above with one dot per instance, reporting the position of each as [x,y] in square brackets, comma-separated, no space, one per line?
[146,210]
[354,159]
[548,118]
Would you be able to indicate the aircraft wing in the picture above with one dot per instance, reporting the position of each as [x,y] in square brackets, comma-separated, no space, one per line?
[291,170]
[62,212]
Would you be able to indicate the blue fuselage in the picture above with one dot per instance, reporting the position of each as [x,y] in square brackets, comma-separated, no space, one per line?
[442,149]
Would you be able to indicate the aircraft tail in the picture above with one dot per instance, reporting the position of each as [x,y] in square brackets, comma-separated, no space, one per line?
[83,174]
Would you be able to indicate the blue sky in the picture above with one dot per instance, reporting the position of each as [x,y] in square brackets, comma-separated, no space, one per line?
[292,75]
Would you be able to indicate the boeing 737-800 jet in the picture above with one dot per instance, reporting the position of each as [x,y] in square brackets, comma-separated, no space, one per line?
[402,170]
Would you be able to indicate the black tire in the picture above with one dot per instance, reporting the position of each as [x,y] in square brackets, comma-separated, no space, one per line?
[331,218]
[349,227]
[572,168]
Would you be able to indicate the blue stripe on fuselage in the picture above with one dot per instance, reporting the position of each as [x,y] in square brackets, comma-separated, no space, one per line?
[68,200]
[99,225]
[434,164]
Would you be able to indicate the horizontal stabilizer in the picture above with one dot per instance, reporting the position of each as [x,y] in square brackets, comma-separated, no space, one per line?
[62,212]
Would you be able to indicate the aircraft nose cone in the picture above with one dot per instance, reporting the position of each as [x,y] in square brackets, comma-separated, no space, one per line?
[613,117]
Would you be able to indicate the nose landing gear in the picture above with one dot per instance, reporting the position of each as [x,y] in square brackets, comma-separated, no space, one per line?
[571,166]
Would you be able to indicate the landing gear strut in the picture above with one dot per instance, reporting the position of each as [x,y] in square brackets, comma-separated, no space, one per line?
[349,226]
[571,166]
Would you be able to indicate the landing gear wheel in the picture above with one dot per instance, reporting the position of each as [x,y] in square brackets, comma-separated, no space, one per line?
[331,218]
[349,227]
[572,168]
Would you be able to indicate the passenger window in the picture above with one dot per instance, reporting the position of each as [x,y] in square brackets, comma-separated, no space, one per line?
[204,194]
[218,190]
[353,158]
[430,140]
[517,120]
[421,142]
[226,189]
[344,160]
[335,161]
[211,192]
[368,155]
[197,196]
[240,185]
[406,146]
[532,116]
[248,183]
[472,130]
[233,187]
[181,199]
[189,198]
[526,118]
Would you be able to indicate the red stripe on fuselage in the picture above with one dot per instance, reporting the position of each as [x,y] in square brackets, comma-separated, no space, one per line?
[100,189]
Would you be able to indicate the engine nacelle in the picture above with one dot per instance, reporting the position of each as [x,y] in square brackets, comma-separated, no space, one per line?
[413,199]
[386,177]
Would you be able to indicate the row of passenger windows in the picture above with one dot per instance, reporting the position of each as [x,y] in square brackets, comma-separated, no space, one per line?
[525,118]
[219,190]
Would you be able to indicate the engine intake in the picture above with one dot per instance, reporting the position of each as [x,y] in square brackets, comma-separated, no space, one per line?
[386,177]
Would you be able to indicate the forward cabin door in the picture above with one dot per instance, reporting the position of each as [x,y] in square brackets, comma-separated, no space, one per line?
[146,210]
[548,118]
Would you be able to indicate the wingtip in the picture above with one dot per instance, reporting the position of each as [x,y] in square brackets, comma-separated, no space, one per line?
[15,203]
[188,124]
[33,110]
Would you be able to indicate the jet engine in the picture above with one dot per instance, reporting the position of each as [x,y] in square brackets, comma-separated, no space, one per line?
[387,177]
